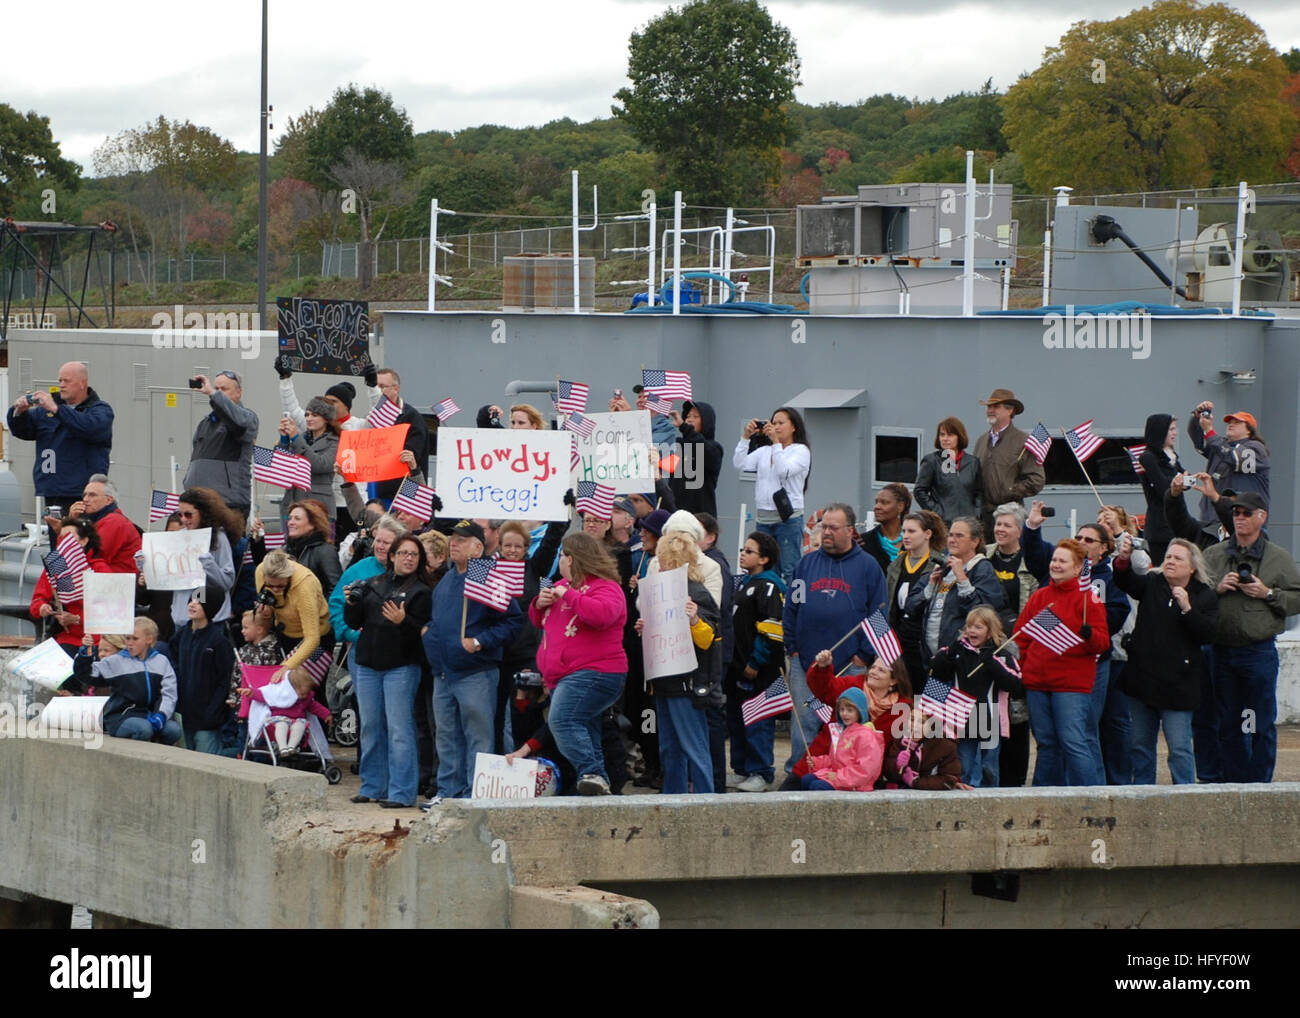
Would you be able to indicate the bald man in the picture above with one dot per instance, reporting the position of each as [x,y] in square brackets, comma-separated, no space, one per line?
[73,432]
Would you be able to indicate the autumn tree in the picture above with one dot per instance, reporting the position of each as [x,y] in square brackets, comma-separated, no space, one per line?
[1178,94]
[29,155]
[711,86]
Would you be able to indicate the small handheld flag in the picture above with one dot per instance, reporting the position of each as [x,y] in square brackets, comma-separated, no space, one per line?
[774,700]
[595,499]
[271,466]
[571,398]
[668,384]
[447,408]
[947,703]
[415,499]
[1135,456]
[480,587]
[580,424]
[881,637]
[1083,441]
[1038,443]
[1051,632]
[384,415]
[1085,574]
[162,505]
[657,405]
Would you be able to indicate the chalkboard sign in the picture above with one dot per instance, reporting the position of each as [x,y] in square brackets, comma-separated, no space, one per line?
[324,337]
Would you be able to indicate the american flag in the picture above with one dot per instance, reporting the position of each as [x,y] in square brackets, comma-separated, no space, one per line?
[1038,442]
[445,409]
[575,459]
[1134,454]
[657,405]
[580,424]
[272,466]
[1051,632]
[385,415]
[669,384]
[318,664]
[162,505]
[774,700]
[480,586]
[1083,441]
[509,576]
[1085,574]
[595,499]
[572,397]
[822,710]
[66,565]
[545,583]
[947,703]
[414,498]
[271,541]
[881,637]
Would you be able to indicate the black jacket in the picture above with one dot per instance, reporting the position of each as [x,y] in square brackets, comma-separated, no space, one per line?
[383,645]
[204,660]
[759,598]
[698,492]
[417,442]
[319,556]
[708,663]
[1165,665]
[1159,475]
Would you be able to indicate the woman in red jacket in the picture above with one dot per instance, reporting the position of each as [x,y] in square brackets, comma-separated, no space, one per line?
[65,617]
[1059,684]
[581,655]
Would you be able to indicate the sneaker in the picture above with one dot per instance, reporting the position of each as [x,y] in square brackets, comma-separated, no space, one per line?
[734,780]
[753,783]
[593,784]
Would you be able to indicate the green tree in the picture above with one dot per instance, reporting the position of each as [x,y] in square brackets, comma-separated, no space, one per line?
[29,155]
[711,86]
[1177,94]
[361,121]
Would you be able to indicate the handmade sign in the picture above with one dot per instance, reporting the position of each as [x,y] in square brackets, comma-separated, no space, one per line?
[324,337]
[512,475]
[619,452]
[666,639]
[109,605]
[372,454]
[171,559]
[497,778]
[74,715]
[45,665]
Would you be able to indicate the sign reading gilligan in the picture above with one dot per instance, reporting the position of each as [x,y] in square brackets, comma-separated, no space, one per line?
[324,337]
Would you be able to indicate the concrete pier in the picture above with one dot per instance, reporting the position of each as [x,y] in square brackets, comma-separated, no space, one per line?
[161,836]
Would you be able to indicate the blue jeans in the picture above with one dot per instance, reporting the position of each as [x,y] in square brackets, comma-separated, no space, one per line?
[578,706]
[751,746]
[390,761]
[1245,683]
[812,783]
[979,761]
[1147,722]
[1115,731]
[809,723]
[1059,722]
[789,538]
[464,708]
[683,745]
[1205,726]
[203,740]
[139,728]
[1096,704]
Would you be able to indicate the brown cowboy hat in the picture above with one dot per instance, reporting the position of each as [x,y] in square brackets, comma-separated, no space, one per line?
[1004,396]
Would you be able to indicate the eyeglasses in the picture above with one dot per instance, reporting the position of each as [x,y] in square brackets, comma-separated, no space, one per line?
[832,528]
[1242,511]
[407,553]
[1088,540]
[189,514]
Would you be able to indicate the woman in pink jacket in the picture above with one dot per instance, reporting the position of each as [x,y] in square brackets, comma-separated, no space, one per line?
[854,762]
[581,656]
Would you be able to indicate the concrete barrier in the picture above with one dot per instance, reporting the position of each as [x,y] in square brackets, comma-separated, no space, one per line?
[156,835]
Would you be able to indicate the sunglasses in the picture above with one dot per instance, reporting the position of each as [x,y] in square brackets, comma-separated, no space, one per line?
[1243,511]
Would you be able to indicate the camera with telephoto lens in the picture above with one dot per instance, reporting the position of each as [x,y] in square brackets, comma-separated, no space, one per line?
[1244,574]
[265,597]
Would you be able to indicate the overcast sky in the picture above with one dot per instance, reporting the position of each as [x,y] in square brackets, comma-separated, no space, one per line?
[97,68]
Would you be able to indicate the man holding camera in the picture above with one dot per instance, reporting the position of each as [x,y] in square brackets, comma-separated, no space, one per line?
[222,457]
[73,432]
[1258,587]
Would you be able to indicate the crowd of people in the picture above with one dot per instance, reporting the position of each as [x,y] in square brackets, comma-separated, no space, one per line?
[1137,622]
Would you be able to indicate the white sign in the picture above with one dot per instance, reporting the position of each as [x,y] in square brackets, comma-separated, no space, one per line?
[499,474]
[109,605]
[497,778]
[666,639]
[47,664]
[171,559]
[619,453]
[75,715]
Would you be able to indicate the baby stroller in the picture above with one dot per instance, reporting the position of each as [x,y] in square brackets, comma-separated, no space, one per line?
[314,753]
[341,699]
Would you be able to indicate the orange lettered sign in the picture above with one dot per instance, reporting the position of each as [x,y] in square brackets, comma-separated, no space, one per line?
[371,454]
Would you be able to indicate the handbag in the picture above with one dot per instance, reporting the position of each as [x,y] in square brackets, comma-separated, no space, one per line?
[781,499]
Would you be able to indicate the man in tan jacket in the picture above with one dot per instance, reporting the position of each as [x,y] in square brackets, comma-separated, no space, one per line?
[1009,474]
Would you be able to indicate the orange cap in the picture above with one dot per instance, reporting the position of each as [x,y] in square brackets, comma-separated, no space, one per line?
[1245,418]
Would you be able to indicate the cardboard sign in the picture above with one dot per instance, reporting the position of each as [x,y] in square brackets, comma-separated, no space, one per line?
[46,665]
[109,605]
[371,454]
[512,475]
[497,778]
[666,639]
[619,453]
[171,559]
[324,337]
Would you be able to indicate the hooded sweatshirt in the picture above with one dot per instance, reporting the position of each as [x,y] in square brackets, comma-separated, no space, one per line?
[853,764]
[204,659]
[1160,467]
[758,599]
[701,458]
[829,596]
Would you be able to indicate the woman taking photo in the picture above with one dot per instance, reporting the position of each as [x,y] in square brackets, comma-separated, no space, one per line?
[320,445]
[924,538]
[780,453]
[1060,685]
[1177,607]
[1160,466]
[389,610]
[581,654]
[883,541]
[300,614]
[949,482]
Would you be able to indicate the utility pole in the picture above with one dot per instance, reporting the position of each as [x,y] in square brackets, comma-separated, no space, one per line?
[261,190]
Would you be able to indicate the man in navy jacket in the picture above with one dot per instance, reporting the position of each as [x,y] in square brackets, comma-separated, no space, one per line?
[833,590]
